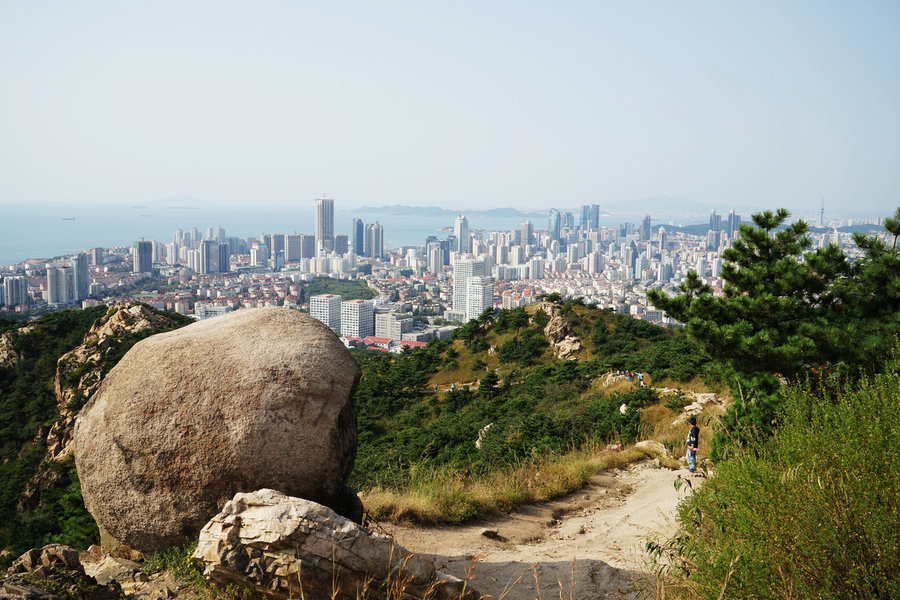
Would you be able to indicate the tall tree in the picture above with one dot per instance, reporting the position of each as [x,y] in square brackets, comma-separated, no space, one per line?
[788,310]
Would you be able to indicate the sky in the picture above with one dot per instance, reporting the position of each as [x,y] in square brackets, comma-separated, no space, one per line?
[469,104]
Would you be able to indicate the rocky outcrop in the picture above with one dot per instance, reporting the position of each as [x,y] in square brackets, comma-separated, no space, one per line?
[80,372]
[292,548]
[52,572]
[8,354]
[256,398]
[560,335]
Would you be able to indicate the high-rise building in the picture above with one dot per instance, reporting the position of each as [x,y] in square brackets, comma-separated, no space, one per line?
[307,246]
[277,242]
[645,229]
[60,285]
[327,309]
[15,290]
[324,225]
[142,255]
[463,269]
[715,221]
[435,258]
[225,258]
[292,247]
[357,318]
[358,233]
[375,240]
[479,296]
[536,268]
[463,237]
[341,244]
[209,257]
[527,233]
[734,224]
[97,256]
[81,284]
[554,224]
[265,246]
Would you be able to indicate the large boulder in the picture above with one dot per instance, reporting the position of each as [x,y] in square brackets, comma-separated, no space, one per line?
[256,398]
[292,548]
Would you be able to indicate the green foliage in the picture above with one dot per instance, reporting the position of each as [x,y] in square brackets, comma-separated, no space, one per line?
[523,350]
[535,403]
[787,309]
[810,513]
[511,320]
[346,289]
[28,404]
[540,318]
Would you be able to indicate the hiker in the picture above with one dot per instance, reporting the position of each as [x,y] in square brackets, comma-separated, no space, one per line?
[693,442]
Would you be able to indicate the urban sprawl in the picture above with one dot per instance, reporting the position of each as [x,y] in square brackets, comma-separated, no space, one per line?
[420,292]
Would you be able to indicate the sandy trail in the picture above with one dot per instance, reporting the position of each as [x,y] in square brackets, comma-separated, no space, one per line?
[602,528]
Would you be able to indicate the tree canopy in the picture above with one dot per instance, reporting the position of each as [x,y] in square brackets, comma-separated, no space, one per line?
[789,310]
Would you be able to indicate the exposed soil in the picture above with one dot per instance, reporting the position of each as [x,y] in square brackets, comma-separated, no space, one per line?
[588,545]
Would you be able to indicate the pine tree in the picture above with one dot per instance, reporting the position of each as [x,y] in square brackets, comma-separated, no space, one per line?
[788,311]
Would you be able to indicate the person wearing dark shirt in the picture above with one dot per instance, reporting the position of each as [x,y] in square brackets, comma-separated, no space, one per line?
[693,442]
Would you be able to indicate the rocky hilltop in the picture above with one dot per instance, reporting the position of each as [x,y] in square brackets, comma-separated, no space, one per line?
[80,372]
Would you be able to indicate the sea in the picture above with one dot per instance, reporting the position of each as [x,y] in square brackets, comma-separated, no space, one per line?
[47,232]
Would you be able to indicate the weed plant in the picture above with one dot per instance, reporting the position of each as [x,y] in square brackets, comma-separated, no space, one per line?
[811,513]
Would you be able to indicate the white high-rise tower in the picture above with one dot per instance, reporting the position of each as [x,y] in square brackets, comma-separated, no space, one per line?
[324,225]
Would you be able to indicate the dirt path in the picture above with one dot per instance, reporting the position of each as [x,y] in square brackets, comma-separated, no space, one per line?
[602,528]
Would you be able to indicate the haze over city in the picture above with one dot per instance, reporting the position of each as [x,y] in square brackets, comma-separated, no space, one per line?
[462,105]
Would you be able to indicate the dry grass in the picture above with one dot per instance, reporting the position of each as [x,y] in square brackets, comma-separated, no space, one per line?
[454,497]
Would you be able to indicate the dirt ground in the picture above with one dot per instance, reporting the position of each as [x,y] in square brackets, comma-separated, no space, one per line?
[586,546]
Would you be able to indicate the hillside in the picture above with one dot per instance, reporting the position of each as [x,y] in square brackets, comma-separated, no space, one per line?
[497,398]
[43,382]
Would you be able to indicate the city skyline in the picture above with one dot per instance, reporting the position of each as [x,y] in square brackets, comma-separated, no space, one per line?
[463,105]
[404,227]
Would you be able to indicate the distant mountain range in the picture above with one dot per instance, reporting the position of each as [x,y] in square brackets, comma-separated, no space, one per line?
[436,211]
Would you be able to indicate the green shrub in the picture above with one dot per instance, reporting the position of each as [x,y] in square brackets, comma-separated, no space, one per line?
[811,513]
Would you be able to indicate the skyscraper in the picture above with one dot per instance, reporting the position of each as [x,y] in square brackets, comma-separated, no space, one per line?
[209,256]
[340,244]
[97,255]
[358,236]
[142,255]
[81,284]
[324,225]
[292,247]
[60,288]
[435,258]
[734,224]
[16,290]
[645,228]
[527,233]
[375,240]
[463,238]
[463,269]
[307,246]
[554,224]
[225,258]
[479,296]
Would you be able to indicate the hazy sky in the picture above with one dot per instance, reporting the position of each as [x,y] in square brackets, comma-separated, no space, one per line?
[461,103]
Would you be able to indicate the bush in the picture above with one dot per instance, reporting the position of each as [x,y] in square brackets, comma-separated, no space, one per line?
[812,513]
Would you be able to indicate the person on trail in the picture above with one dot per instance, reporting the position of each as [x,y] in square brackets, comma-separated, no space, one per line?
[693,442]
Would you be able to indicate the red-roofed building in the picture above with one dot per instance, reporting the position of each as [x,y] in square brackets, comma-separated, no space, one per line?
[380,342]
[413,344]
